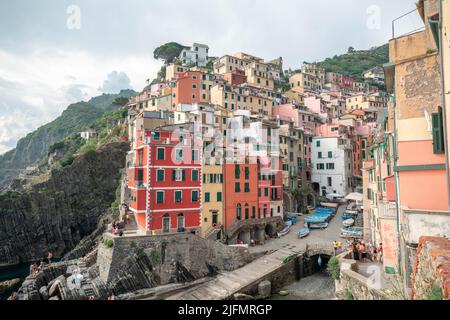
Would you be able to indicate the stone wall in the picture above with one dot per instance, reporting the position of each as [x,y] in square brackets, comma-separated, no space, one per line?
[135,263]
[432,268]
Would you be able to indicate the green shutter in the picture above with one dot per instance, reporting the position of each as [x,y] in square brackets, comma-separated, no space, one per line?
[207,196]
[438,133]
[194,175]
[160,197]
[160,175]
[183,175]
[219,196]
[174,175]
[177,196]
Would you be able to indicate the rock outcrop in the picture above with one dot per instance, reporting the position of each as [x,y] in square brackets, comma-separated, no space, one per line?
[55,215]
[431,276]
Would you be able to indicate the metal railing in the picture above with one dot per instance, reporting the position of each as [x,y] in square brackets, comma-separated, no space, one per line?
[407,24]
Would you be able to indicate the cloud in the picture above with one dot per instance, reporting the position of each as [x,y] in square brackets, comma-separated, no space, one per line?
[115,82]
[36,87]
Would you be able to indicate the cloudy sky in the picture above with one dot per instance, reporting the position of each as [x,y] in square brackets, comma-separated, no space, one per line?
[56,52]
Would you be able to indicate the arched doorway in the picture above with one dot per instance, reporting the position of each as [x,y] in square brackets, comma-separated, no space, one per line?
[311,200]
[270,230]
[166,223]
[316,187]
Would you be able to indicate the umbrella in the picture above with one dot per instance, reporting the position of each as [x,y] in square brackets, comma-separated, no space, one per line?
[355,197]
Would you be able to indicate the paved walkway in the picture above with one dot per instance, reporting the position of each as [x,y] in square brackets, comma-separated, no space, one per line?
[228,283]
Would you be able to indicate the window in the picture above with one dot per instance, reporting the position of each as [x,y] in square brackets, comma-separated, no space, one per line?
[195,156]
[318,143]
[330,166]
[259,192]
[237,172]
[319,155]
[178,175]
[239,212]
[194,86]
[438,132]
[330,154]
[178,196]
[179,154]
[266,192]
[194,196]
[194,175]
[160,197]
[160,175]
[246,213]
[320,166]
[207,197]
[161,154]
[247,187]
[156,136]
[330,182]
[247,173]
[219,196]
[237,187]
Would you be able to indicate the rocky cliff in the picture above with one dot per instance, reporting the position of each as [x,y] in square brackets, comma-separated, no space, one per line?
[54,215]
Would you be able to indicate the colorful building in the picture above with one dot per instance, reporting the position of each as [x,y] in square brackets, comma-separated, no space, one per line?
[165,180]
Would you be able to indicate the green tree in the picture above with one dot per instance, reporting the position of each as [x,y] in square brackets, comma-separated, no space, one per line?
[168,52]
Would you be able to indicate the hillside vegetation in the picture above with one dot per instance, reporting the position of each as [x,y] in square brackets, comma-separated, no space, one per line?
[355,62]
[75,118]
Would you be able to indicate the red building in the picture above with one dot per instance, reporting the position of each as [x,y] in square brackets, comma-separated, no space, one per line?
[236,77]
[241,192]
[187,88]
[165,181]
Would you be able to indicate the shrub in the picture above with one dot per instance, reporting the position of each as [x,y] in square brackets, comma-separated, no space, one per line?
[334,268]
[348,295]
[109,243]
[66,161]
[155,257]
[435,293]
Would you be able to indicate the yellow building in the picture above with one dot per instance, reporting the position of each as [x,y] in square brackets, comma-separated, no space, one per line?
[212,199]
[366,101]
[173,69]
[243,98]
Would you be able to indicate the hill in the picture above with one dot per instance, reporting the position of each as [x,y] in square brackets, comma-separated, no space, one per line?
[36,144]
[355,62]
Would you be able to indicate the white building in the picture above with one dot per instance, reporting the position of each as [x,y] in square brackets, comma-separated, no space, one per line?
[88,134]
[331,159]
[197,55]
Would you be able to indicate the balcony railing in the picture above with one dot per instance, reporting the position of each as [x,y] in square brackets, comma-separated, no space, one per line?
[139,184]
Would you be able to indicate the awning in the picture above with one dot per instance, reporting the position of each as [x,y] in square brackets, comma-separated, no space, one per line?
[355,197]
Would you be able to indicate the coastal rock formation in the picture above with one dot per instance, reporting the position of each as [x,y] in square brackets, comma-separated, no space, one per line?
[136,267]
[54,215]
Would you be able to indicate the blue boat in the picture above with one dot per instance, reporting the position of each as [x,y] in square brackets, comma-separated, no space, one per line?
[303,232]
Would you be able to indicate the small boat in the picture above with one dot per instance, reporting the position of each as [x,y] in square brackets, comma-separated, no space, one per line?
[303,232]
[352,232]
[329,205]
[321,226]
[348,223]
[285,231]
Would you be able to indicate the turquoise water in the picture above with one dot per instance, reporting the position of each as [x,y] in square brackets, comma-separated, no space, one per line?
[20,271]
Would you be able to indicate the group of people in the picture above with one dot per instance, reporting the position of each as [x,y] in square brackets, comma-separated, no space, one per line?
[35,268]
[364,252]
[116,228]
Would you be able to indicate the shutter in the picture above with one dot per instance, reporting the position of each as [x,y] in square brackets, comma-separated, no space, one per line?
[183,175]
[438,141]
[174,175]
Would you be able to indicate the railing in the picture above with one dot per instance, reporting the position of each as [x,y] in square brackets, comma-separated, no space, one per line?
[407,24]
